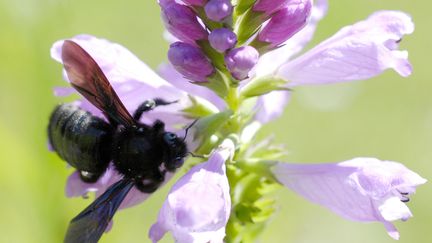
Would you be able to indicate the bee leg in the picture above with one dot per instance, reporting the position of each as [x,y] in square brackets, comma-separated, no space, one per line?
[149,105]
[152,182]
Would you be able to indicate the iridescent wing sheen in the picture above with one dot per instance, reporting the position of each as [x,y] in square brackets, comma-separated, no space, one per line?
[90,224]
[88,79]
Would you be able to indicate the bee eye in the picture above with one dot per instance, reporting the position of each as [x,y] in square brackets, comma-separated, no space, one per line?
[170,138]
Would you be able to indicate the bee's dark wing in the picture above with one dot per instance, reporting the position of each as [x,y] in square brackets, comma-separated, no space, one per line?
[88,79]
[91,223]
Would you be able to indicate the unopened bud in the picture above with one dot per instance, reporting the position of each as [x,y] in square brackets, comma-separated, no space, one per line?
[182,22]
[217,10]
[190,61]
[222,39]
[269,6]
[240,61]
[286,22]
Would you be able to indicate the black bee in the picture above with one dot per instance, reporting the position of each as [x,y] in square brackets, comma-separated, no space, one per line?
[141,153]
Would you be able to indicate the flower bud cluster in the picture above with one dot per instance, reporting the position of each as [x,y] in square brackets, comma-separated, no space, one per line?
[208,33]
[203,50]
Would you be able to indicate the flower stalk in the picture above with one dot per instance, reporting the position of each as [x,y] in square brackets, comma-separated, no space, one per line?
[228,89]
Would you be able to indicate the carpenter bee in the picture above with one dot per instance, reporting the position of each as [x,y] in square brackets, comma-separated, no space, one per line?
[141,153]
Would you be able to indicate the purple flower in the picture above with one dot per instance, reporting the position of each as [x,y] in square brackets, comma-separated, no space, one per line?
[361,189]
[198,205]
[222,39]
[217,10]
[356,52]
[270,6]
[190,61]
[182,22]
[240,61]
[286,22]
[360,51]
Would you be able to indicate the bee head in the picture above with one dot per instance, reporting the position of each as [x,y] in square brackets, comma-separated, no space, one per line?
[175,151]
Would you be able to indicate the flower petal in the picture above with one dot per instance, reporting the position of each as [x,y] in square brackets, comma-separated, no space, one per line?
[361,189]
[393,209]
[198,205]
[271,106]
[356,52]
[168,72]
[117,62]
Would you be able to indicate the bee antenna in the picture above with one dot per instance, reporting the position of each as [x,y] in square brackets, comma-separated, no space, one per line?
[187,129]
[196,155]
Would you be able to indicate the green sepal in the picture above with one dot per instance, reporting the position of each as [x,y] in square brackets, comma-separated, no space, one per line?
[242,5]
[251,208]
[218,83]
[247,25]
[206,127]
[263,85]
[259,168]
[216,57]
[198,108]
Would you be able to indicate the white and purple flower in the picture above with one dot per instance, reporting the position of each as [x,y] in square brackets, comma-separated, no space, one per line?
[209,73]
[361,189]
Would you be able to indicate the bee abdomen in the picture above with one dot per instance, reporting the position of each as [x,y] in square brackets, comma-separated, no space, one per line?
[81,139]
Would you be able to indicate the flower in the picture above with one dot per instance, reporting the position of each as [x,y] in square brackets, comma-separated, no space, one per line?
[356,52]
[198,205]
[190,61]
[360,189]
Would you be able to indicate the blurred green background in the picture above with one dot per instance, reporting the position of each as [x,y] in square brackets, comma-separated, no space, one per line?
[388,117]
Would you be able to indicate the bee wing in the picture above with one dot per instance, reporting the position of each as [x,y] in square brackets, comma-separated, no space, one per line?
[88,79]
[89,225]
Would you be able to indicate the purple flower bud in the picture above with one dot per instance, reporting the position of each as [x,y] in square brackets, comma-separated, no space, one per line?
[240,61]
[286,22]
[195,2]
[217,10]
[269,6]
[190,61]
[182,22]
[222,39]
